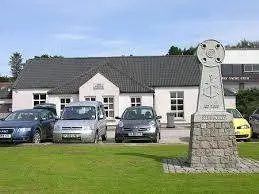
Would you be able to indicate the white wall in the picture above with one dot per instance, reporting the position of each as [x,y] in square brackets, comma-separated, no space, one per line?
[230,101]
[163,102]
[55,99]
[109,89]
[23,99]
[241,57]
[124,100]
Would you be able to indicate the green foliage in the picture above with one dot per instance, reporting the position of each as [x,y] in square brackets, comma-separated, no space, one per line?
[5,79]
[46,56]
[16,65]
[245,44]
[178,51]
[247,101]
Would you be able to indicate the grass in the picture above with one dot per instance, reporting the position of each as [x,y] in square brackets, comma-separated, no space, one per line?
[112,169]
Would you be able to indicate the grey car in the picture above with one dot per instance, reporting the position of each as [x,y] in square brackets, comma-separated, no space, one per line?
[81,122]
[254,122]
[138,123]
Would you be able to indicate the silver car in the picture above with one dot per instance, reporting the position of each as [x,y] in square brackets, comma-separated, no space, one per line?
[81,122]
[138,123]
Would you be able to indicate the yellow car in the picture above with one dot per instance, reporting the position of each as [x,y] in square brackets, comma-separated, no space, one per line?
[242,128]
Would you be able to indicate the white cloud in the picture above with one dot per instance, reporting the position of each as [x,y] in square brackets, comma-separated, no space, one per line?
[69,36]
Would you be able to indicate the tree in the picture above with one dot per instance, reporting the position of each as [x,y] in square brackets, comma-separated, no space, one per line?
[46,56]
[245,44]
[174,51]
[247,101]
[16,64]
[178,51]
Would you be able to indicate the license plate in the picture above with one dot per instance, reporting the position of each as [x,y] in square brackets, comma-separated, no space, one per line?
[5,135]
[135,134]
[70,135]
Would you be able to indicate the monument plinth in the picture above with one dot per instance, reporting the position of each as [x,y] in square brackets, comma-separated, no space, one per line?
[212,138]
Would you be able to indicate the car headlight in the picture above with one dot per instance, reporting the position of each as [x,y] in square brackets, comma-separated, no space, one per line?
[152,123]
[23,130]
[243,127]
[87,128]
[120,124]
[57,128]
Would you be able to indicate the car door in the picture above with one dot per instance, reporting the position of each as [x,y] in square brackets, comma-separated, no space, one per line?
[51,118]
[101,121]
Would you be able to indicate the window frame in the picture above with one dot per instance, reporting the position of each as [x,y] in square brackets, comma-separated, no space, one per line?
[64,103]
[90,98]
[40,100]
[252,66]
[135,103]
[108,110]
[176,104]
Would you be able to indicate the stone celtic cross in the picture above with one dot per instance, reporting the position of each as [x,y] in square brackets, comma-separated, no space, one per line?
[211,54]
[212,138]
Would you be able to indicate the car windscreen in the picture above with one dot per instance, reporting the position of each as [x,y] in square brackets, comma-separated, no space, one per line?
[138,114]
[235,113]
[22,116]
[79,113]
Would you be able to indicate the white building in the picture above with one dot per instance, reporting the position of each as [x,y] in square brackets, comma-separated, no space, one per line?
[168,83]
[240,69]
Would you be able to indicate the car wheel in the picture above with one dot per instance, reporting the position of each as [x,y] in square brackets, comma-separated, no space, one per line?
[118,141]
[104,136]
[36,137]
[96,137]
[156,140]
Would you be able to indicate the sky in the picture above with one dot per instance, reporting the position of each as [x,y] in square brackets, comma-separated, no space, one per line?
[88,28]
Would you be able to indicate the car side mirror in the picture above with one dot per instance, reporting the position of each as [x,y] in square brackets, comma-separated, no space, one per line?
[117,117]
[100,117]
[158,117]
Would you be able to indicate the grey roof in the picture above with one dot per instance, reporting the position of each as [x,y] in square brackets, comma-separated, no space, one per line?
[130,74]
[5,93]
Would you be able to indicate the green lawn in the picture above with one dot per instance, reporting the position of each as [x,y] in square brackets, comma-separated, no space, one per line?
[112,169]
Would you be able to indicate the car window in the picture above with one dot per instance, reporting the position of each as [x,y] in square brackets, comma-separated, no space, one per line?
[22,116]
[44,115]
[257,112]
[79,113]
[235,113]
[50,116]
[138,114]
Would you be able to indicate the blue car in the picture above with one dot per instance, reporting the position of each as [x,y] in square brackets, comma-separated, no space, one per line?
[31,125]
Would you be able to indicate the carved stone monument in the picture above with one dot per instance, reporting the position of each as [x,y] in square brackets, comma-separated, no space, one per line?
[212,138]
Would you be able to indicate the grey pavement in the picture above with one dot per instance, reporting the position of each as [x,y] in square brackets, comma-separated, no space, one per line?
[168,135]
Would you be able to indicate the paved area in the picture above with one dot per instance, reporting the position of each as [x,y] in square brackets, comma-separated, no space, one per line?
[168,135]
[179,165]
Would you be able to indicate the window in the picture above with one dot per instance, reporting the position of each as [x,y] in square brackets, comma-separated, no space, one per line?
[90,98]
[39,99]
[135,101]
[108,103]
[177,99]
[251,68]
[64,102]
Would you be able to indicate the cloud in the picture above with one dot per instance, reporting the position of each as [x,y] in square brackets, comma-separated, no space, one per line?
[69,36]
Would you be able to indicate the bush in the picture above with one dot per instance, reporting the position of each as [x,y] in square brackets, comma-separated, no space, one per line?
[247,101]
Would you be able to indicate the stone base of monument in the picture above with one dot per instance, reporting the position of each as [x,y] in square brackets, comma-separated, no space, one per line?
[212,147]
[212,141]
[180,165]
